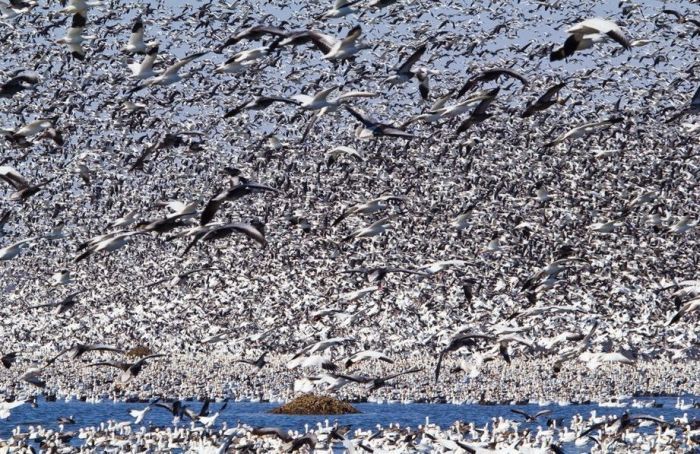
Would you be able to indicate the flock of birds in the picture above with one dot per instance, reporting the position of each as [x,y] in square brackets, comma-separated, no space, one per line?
[600,433]
[531,193]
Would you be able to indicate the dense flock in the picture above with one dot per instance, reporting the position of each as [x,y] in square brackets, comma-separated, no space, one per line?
[459,202]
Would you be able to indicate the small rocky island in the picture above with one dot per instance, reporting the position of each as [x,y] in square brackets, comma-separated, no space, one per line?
[311,404]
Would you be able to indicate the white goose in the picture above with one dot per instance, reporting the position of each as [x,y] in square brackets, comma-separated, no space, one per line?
[348,46]
[11,251]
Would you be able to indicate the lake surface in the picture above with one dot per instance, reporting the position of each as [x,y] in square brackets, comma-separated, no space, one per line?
[257,414]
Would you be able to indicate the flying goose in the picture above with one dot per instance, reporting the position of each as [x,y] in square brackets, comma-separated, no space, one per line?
[259,363]
[690,306]
[232,194]
[4,219]
[33,377]
[374,229]
[681,18]
[552,269]
[371,129]
[369,207]
[74,38]
[323,43]
[12,250]
[454,110]
[130,370]
[178,208]
[171,74]
[242,60]
[381,3]
[348,46]
[136,45]
[491,75]
[175,407]
[8,359]
[584,130]
[378,382]
[206,419]
[341,8]
[275,431]
[212,232]
[79,6]
[458,341]
[334,154]
[63,305]
[10,11]
[320,100]
[253,33]
[62,277]
[365,355]
[548,99]
[377,274]
[144,70]
[595,360]
[258,103]
[41,127]
[23,189]
[529,417]
[5,408]
[355,295]
[163,225]
[403,72]
[108,243]
[309,440]
[78,350]
[310,362]
[479,114]
[124,221]
[586,33]
[692,109]
[140,414]
[17,84]
[436,267]
[322,345]
[619,425]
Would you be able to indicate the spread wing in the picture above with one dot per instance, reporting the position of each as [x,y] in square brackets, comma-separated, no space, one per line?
[174,68]
[695,102]
[406,66]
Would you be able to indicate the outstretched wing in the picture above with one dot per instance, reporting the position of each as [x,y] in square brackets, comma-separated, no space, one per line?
[405,372]
[520,412]
[547,96]
[174,68]
[406,66]
[359,116]
[695,102]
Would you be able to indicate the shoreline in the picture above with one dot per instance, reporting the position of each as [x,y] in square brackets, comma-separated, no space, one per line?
[516,403]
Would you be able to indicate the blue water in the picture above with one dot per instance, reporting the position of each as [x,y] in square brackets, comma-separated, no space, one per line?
[257,414]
